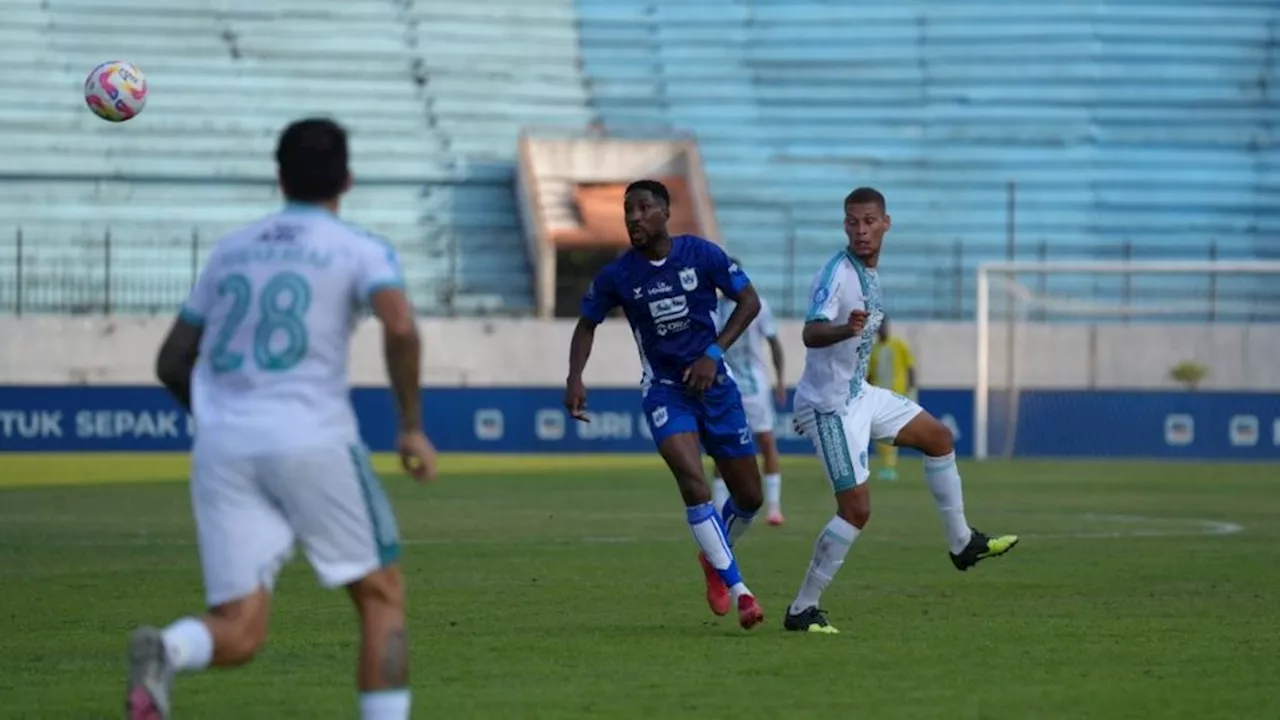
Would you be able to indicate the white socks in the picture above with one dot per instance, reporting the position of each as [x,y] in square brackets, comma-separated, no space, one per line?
[384,704]
[188,644]
[773,492]
[828,555]
[190,647]
[719,494]
[944,482]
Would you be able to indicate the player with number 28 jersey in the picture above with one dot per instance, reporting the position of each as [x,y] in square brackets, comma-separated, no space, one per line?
[278,301]
[258,354]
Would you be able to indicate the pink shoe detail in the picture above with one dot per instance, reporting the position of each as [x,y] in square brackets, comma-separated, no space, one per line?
[717,594]
[141,706]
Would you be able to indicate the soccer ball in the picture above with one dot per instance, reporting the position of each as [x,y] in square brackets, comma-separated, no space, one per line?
[115,91]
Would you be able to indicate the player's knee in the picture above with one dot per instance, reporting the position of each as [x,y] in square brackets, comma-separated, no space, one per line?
[380,593]
[937,440]
[854,507]
[748,499]
[693,489]
[928,435]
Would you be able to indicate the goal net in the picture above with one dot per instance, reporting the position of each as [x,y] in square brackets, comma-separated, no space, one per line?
[1062,346]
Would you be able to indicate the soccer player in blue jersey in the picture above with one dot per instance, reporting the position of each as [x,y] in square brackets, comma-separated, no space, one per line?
[667,289]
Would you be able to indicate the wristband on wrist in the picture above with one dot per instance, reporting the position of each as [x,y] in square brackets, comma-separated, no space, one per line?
[714,351]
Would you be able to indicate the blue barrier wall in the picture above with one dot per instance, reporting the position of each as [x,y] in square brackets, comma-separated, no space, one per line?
[529,420]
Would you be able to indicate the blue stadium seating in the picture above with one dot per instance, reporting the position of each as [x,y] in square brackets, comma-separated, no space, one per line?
[432,124]
[1131,128]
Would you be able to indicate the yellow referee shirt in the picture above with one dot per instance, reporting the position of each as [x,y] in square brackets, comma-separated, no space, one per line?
[890,361]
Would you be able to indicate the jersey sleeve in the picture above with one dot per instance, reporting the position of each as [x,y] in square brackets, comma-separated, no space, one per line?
[600,297]
[835,291]
[195,309]
[724,273]
[377,268]
[824,296]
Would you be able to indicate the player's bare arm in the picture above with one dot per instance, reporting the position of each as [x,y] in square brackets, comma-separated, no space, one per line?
[177,358]
[402,349]
[702,372]
[820,334]
[575,392]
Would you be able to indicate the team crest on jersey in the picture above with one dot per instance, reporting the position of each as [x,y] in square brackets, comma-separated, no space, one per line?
[820,295]
[689,279]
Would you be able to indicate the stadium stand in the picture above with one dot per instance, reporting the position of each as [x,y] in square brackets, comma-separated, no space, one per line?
[432,135]
[489,70]
[1131,129]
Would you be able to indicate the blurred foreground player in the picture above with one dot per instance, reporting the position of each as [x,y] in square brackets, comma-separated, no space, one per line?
[667,288]
[840,412]
[892,367]
[259,355]
[760,398]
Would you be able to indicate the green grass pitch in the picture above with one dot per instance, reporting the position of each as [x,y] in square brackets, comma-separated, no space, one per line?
[568,588]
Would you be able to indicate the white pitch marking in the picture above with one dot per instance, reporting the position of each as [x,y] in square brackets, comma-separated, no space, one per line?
[1172,527]
[1190,527]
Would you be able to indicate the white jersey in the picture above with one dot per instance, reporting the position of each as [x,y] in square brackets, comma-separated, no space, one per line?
[835,374]
[279,300]
[745,358]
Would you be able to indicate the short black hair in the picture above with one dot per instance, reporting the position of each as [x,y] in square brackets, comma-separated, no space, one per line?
[312,155]
[658,189]
[864,195]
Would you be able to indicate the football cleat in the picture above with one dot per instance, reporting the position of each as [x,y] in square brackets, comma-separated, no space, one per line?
[717,594]
[981,547]
[811,619]
[150,676]
[749,612]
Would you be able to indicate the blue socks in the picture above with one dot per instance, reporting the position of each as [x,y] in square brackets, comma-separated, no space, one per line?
[708,531]
[735,520]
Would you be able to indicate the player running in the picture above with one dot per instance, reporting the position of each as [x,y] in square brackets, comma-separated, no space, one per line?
[259,355]
[840,412]
[667,288]
[746,361]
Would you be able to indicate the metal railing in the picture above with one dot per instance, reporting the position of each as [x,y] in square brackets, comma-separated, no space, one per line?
[109,273]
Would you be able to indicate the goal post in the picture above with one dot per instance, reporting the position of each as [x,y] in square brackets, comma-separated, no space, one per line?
[1044,325]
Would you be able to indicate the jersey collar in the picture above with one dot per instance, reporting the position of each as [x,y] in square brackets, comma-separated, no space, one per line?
[301,208]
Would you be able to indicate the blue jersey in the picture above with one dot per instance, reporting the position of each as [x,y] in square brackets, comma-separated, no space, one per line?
[671,303]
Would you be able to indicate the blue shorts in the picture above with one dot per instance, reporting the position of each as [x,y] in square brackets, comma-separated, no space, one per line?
[717,416]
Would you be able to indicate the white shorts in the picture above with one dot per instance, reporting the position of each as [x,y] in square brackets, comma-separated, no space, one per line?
[761,416]
[841,438]
[250,511]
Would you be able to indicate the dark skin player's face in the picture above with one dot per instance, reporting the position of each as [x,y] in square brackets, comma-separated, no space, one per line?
[865,225]
[646,217]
